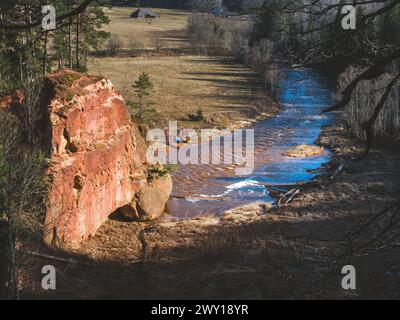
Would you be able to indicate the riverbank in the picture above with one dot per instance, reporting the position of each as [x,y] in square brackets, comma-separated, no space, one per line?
[254,253]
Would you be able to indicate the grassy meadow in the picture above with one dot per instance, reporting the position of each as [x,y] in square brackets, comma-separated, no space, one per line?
[182,83]
[169,30]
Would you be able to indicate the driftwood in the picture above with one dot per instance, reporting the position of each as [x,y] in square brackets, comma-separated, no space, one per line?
[65,260]
[285,193]
[288,196]
[295,193]
[71,260]
[343,165]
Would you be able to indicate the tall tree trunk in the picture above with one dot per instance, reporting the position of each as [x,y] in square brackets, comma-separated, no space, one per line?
[70,44]
[1,85]
[78,39]
[20,66]
[45,54]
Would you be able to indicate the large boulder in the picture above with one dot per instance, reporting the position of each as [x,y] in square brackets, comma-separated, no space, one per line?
[149,203]
[97,157]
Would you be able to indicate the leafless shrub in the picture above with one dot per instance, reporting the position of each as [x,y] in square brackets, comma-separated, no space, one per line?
[202,33]
[158,44]
[235,37]
[114,45]
[22,191]
[364,100]
[213,36]
[207,34]
[134,45]
[31,111]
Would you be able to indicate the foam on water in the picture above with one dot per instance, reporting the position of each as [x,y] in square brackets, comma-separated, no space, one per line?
[302,95]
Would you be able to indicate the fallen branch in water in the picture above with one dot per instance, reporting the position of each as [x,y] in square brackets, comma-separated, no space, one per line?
[292,196]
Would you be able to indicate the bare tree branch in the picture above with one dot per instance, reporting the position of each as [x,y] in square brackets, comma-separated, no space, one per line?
[22,26]
[372,72]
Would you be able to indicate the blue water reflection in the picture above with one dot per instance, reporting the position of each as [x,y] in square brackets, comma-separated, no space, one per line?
[302,96]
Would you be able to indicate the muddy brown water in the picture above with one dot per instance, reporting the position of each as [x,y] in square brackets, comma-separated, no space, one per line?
[213,189]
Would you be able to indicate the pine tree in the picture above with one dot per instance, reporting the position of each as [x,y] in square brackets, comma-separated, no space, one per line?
[144,88]
[91,37]
[28,53]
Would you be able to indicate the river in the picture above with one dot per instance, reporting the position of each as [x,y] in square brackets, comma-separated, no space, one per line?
[213,189]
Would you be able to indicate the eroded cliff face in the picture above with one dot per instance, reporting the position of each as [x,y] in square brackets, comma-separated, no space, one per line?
[97,157]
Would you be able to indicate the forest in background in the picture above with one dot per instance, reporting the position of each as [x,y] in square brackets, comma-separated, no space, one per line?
[234,5]
[26,53]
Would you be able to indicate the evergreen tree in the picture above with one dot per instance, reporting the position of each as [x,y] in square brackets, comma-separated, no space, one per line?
[144,88]
[26,53]
[90,33]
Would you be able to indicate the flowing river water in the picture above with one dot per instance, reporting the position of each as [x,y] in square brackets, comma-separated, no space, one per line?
[213,189]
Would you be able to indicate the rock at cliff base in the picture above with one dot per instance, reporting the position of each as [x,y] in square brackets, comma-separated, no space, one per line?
[304,151]
[150,201]
[152,198]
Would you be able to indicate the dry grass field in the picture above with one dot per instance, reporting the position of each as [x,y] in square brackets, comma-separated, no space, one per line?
[227,91]
[182,84]
[168,31]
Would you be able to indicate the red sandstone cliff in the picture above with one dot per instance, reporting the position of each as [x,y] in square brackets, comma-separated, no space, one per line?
[97,158]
